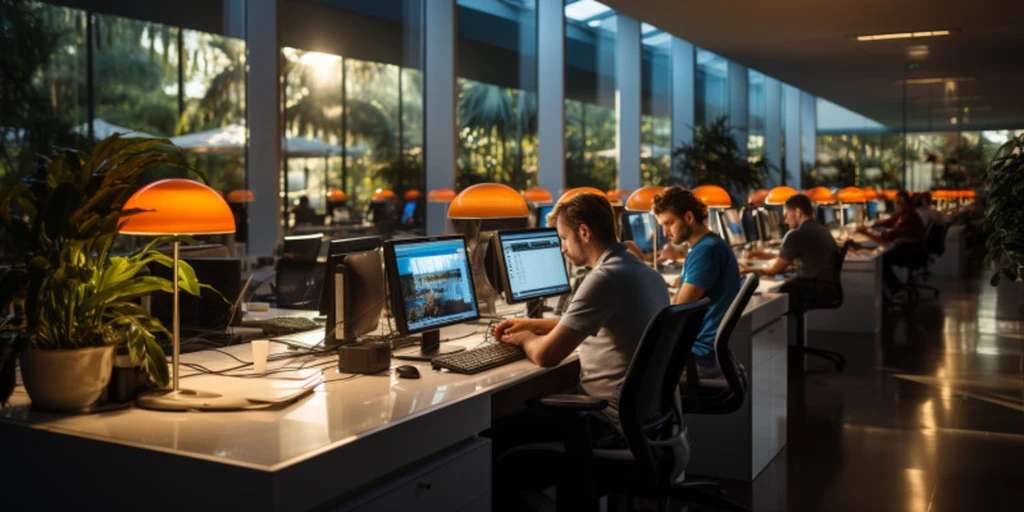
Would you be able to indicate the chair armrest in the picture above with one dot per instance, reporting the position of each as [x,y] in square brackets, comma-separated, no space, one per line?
[574,402]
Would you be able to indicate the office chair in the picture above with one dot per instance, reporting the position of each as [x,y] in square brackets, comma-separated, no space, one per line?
[658,448]
[827,302]
[725,395]
[934,246]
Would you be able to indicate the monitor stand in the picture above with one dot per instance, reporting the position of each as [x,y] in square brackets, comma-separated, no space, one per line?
[430,348]
[535,308]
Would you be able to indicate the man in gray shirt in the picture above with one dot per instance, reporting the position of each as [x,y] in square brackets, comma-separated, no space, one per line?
[812,246]
[609,311]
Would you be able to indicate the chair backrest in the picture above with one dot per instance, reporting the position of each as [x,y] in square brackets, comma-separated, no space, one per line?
[837,277]
[648,410]
[726,362]
[935,238]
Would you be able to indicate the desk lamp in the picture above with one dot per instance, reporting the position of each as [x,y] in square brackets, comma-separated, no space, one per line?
[579,190]
[779,195]
[821,196]
[715,198]
[537,195]
[485,207]
[176,207]
[850,195]
[757,197]
[642,201]
[442,196]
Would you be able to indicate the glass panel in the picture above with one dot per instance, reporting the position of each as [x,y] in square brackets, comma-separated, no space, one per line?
[590,120]
[497,109]
[712,87]
[755,124]
[656,104]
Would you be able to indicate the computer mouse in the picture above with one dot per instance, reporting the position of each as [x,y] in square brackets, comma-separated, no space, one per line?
[407,371]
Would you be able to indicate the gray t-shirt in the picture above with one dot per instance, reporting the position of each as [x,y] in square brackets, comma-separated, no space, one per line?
[812,244]
[612,307]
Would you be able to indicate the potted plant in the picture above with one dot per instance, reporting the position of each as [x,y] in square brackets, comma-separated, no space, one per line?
[714,159]
[75,301]
[1004,219]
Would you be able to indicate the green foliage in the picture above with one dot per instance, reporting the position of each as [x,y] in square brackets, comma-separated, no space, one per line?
[497,135]
[62,224]
[1004,211]
[714,159]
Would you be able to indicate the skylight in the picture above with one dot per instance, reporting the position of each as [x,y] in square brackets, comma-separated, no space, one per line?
[583,10]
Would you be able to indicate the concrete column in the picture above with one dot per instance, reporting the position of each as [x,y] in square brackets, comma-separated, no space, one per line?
[551,96]
[263,117]
[808,129]
[739,109]
[627,100]
[439,103]
[773,130]
[234,18]
[684,87]
[792,113]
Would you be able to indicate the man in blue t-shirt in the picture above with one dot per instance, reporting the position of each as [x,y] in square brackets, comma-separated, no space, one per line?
[710,269]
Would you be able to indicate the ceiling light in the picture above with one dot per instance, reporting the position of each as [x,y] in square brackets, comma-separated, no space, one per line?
[904,35]
[937,80]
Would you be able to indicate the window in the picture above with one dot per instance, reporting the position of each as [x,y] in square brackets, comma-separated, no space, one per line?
[755,123]
[656,100]
[712,88]
[497,104]
[590,119]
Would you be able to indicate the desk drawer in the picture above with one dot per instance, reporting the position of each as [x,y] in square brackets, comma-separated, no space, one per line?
[451,481]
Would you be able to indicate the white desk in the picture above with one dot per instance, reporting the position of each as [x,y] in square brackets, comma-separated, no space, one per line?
[862,296]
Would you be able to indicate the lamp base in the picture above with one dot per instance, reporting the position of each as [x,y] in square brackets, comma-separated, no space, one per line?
[181,400]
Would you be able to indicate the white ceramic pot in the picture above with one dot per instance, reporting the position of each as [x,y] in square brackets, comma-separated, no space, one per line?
[66,380]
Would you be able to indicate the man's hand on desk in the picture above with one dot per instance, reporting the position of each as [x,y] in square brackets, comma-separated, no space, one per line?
[757,254]
[513,326]
[671,253]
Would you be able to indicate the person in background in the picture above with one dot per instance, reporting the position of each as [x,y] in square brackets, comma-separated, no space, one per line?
[927,212]
[810,244]
[710,269]
[304,215]
[906,232]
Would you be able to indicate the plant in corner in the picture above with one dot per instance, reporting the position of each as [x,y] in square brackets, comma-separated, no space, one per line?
[75,301]
[1004,211]
[714,159]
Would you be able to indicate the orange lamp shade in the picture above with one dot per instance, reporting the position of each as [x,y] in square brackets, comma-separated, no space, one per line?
[971,194]
[337,195]
[241,196]
[713,196]
[580,190]
[779,195]
[618,195]
[643,198]
[537,195]
[821,195]
[869,194]
[176,207]
[851,195]
[488,201]
[441,195]
[381,194]
[757,197]
[412,195]
[889,194]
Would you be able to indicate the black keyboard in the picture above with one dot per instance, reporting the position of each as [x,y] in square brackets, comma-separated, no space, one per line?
[479,359]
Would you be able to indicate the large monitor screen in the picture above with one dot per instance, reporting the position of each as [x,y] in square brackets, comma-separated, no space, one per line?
[533,264]
[431,283]
[872,210]
[771,224]
[827,215]
[732,226]
[642,227]
[408,212]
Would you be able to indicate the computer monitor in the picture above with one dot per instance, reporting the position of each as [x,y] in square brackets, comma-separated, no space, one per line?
[353,291]
[211,310]
[750,224]
[431,286]
[532,264]
[771,224]
[732,226]
[302,247]
[408,212]
[827,215]
[872,210]
[542,215]
[639,227]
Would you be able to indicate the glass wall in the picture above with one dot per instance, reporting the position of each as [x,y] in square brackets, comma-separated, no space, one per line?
[353,104]
[712,88]
[497,104]
[757,111]
[590,118]
[656,105]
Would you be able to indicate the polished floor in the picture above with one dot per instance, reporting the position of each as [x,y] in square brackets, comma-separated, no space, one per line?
[927,417]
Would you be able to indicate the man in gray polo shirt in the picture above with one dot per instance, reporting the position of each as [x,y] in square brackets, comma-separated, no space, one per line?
[609,311]
[812,246]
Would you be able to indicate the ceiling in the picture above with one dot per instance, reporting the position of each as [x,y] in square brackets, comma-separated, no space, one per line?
[810,44]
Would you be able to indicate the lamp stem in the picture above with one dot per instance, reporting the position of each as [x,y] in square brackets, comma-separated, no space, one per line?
[175,340]
[654,258]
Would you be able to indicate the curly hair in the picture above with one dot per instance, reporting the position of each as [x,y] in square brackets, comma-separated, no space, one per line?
[678,200]
[591,209]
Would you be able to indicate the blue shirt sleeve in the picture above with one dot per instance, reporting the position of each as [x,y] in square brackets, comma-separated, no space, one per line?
[702,267]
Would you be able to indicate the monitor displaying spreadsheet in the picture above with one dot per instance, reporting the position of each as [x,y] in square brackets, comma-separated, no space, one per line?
[533,264]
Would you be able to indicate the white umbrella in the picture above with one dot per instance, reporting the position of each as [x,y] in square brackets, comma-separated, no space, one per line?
[230,139]
[102,129]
